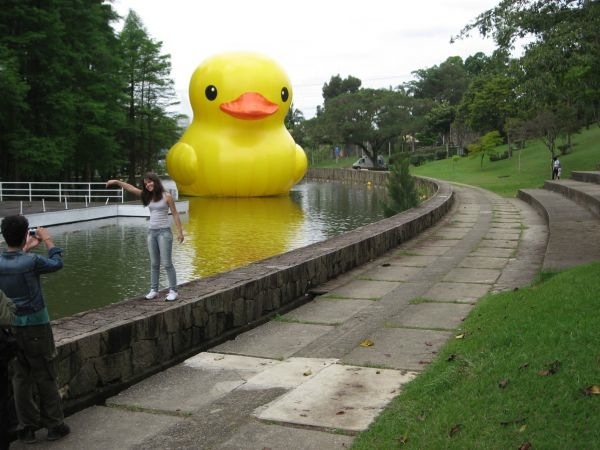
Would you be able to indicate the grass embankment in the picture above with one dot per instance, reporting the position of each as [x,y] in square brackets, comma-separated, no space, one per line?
[526,372]
[528,168]
[522,376]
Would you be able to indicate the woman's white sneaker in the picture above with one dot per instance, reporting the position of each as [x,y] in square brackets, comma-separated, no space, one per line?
[151,295]
[172,295]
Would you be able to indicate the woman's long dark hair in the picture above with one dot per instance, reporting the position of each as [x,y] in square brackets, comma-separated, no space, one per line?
[158,191]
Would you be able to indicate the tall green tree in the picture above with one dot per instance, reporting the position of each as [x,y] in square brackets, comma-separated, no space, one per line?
[445,83]
[150,129]
[13,111]
[60,105]
[443,86]
[439,119]
[98,93]
[33,37]
[488,103]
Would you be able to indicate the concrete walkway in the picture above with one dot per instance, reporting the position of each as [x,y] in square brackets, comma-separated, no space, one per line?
[317,376]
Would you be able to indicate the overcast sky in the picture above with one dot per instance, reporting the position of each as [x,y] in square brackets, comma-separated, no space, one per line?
[378,41]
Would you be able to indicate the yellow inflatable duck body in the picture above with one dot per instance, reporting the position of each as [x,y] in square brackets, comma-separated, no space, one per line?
[237,144]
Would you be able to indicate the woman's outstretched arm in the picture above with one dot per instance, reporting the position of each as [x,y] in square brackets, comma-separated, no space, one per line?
[128,187]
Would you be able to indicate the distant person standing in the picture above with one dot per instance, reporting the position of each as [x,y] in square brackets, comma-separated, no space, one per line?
[37,399]
[160,236]
[556,169]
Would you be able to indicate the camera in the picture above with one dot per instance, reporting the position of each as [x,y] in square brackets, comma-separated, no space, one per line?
[32,232]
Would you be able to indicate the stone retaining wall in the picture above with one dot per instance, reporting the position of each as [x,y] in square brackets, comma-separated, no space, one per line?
[103,351]
[376,177]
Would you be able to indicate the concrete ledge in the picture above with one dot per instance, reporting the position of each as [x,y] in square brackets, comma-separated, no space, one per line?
[103,351]
[573,229]
[587,177]
[80,214]
[536,198]
[583,193]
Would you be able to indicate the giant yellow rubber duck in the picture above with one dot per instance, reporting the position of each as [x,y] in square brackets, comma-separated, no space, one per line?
[237,144]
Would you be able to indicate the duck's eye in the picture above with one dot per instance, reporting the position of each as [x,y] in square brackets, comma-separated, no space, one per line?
[285,94]
[210,92]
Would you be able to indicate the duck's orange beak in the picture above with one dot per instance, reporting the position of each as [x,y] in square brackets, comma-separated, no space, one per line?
[249,106]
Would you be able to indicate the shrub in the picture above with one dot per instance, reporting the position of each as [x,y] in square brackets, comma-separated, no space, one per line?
[440,154]
[499,156]
[401,187]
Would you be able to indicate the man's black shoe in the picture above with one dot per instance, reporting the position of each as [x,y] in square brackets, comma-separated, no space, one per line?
[58,432]
[27,435]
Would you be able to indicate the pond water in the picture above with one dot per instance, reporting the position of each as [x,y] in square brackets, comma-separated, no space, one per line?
[106,261]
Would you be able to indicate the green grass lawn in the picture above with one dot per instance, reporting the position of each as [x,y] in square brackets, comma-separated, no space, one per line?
[524,373]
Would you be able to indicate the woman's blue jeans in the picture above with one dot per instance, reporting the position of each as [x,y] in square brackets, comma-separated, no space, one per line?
[160,247]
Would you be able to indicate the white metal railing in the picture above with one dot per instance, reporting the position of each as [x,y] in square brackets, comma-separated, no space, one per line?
[59,191]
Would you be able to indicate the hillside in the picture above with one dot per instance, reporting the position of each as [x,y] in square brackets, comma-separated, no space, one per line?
[527,168]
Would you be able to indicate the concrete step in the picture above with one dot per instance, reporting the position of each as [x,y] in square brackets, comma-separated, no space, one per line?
[573,229]
[586,176]
[583,193]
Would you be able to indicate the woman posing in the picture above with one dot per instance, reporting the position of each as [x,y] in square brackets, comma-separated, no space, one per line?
[160,236]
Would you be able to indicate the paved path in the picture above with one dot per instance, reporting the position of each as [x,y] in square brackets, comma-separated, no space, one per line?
[321,373]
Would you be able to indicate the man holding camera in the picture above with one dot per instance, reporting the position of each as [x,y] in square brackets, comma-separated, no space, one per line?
[34,367]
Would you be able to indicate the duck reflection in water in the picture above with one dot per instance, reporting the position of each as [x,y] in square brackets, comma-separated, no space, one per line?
[249,228]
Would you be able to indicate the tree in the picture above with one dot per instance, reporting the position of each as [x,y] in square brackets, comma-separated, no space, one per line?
[370,119]
[34,40]
[561,64]
[338,86]
[487,103]
[13,110]
[511,20]
[99,94]
[150,130]
[60,103]
[439,120]
[547,126]
[445,83]
[485,145]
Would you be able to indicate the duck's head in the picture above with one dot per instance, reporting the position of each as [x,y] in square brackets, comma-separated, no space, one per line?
[240,86]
